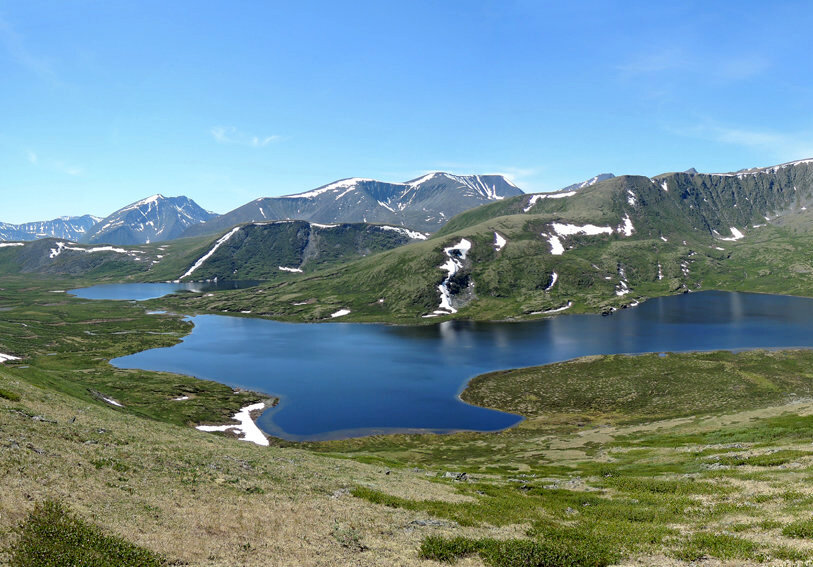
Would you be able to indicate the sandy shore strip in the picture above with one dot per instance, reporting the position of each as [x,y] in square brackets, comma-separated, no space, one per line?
[247,430]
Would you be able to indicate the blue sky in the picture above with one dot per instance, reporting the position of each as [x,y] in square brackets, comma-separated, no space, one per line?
[104,103]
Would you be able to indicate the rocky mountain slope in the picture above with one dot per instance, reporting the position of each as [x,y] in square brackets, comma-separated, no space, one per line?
[70,228]
[153,219]
[422,204]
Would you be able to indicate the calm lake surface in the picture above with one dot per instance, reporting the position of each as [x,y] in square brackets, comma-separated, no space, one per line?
[144,291]
[343,379]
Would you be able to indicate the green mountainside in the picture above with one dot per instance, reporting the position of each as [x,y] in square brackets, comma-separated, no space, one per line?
[267,250]
[603,247]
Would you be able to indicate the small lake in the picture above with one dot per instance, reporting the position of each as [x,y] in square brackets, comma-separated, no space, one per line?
[343,379]
[144,291]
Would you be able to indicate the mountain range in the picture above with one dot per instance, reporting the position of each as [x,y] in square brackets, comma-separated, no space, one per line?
[603,247]
[423,204]
[70,228]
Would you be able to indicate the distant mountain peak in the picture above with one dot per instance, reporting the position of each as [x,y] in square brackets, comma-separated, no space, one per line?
[155,218]
[588,182]
[424,203]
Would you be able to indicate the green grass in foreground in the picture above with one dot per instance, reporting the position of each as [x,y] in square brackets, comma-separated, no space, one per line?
[687,455]
[53,537]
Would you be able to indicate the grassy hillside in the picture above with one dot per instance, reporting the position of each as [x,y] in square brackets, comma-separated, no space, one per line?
[601,248]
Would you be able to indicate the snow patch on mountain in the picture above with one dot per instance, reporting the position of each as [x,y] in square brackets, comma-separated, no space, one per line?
[553,277]
[736,235]
[208,255]
[413,234]
[456,254]
[534,198]
[499,242]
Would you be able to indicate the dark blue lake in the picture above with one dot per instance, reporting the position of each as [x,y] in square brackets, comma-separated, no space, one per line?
[344,379]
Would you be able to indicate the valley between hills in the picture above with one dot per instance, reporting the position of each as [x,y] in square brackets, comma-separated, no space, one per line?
[679,459]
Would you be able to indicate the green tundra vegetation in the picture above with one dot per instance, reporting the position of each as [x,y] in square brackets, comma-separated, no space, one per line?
[621,459]
[631,460]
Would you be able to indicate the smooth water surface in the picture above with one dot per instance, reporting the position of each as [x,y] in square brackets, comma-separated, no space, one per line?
[344,379]
[144,291]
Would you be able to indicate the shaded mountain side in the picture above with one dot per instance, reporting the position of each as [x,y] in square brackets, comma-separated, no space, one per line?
[267,250]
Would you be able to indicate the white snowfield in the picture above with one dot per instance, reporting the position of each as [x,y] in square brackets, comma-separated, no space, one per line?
[247,430]
[565,229]
[112,402]
[6,244]
[7,357]
[208,255]
[565,307]
[534,198]
[295,270]
[340,313]
[554,276]
[736,235]
[456,254]
[499,242]
[61,246]
[413,234]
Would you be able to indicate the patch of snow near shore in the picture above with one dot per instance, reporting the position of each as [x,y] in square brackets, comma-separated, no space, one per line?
[340,313]
[557,310]
[222,240]
[660,271]
[5,244]
[284,269]
[737,235]
[180,398]
[499,242]
[554,276]
[6,357]
[324,225]
[247,430]
[534,198]
[456,254]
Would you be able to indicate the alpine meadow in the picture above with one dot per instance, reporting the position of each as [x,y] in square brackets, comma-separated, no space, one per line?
[425,325]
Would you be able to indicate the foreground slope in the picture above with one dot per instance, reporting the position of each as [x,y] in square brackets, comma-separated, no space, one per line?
[599,248]
[422,204]
[624,460]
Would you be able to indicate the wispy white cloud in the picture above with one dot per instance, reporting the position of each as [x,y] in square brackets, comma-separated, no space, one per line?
[61,166]
[233,136]
[13,42]
[718,67]
[781,146]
